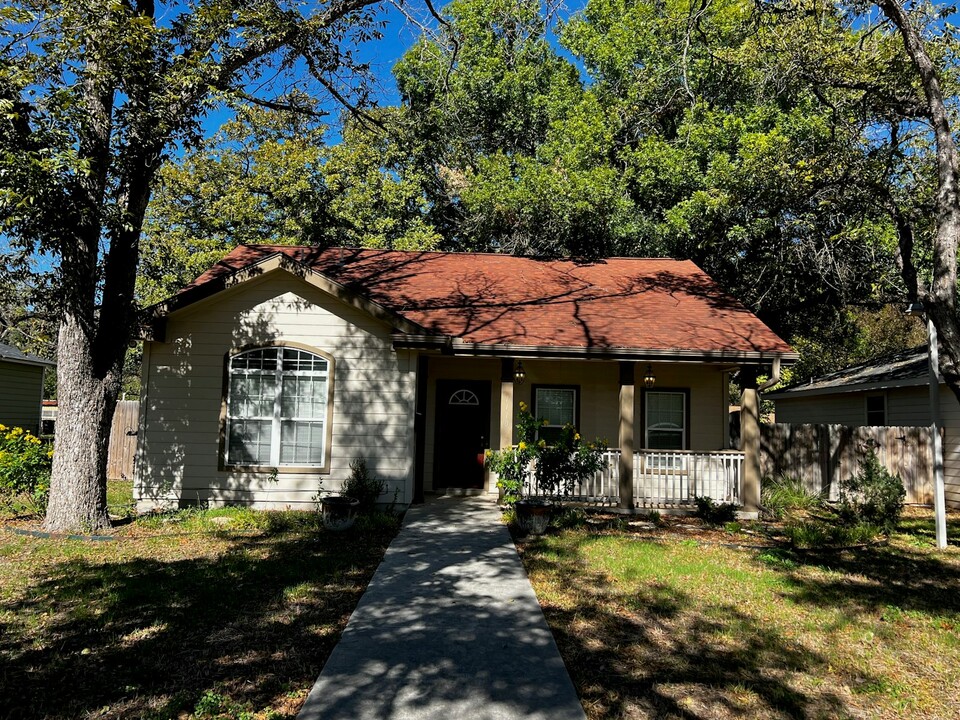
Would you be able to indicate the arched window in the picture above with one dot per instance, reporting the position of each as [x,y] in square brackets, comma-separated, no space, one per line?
[277,408]
[464,397]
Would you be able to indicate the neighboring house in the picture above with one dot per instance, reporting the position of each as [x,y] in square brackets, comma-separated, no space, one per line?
[893,391]
[21,388]
[272,371]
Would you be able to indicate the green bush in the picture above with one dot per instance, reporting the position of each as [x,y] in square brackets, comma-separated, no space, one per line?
[361,487]
[818,534]
[785,493]
[25,463]
[873,496]
[715,513]
[567,462]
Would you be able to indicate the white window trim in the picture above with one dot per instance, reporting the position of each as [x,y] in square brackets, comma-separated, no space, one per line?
[646,418]
[564,388]
[277,418]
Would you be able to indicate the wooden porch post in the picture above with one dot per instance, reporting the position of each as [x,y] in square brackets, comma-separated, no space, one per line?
[627,380]
[506,403]
[750,439]
[506,408]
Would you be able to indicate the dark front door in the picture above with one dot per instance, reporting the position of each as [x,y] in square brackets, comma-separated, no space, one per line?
[463,428]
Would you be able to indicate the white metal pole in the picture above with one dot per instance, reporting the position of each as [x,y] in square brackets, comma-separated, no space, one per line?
[939,504]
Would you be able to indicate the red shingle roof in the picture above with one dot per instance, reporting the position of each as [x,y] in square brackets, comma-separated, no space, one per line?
[618,303]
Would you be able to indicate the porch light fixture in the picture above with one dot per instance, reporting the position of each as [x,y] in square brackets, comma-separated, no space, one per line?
[519,375]
[649,380]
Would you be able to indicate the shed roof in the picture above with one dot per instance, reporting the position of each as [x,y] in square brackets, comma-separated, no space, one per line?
[485,299]
[11,354]
[908,367]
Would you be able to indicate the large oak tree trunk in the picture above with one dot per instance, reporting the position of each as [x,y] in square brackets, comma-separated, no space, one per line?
[78,494]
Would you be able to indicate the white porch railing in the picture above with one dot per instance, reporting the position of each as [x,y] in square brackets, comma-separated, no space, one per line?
[676,477]
[662,478]
[601,489]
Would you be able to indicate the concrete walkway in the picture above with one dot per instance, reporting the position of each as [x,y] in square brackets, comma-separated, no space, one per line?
[449,627]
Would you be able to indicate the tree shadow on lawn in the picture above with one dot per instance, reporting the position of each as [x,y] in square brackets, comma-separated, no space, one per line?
[147,638]
[878,576]
[660,652]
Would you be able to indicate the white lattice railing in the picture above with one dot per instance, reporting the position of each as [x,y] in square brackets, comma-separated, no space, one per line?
[662,478]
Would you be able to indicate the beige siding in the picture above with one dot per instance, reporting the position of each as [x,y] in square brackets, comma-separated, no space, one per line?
[20,388]
[905,406]
[709,424]
[374,389]
[599,392]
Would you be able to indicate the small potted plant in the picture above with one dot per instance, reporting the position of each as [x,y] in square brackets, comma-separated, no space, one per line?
[337,512]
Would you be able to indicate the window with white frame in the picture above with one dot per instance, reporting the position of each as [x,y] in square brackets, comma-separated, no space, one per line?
[666,420]
[556,405]
[277,409]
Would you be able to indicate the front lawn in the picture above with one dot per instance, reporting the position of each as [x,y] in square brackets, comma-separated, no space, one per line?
[196,614]
[679,624]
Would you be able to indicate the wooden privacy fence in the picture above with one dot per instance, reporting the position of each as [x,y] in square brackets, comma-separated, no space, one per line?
[821,455]
[123,440]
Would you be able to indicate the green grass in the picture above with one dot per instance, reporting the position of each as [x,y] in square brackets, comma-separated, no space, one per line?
[179,616]
[120,496]
[661,627]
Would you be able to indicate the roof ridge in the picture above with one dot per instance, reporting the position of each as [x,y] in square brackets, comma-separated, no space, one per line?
[485,253]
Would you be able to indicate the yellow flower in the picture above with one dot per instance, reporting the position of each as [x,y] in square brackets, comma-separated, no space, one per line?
[576,436]
[487,453]
[50,453]
[522,445]
[542,444]
[545,422]
[523,406]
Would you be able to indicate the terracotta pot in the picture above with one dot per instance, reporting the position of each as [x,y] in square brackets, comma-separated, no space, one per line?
[338,512]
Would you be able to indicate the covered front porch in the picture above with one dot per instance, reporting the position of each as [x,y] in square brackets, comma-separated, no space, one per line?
[666,422]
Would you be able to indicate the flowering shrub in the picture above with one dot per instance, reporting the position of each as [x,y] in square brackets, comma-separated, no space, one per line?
[567,462]
[557,468]
[510,464]
[25,463]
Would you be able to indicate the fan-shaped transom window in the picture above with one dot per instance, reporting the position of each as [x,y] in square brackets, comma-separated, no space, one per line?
[464,397]
[277,408]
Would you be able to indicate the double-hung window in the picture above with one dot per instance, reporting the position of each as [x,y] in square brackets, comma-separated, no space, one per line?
[278,408]
[666,420]
[558,406]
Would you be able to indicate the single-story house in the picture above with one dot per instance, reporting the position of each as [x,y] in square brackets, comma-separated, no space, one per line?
[265,377]
[21,388]
[891,391]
